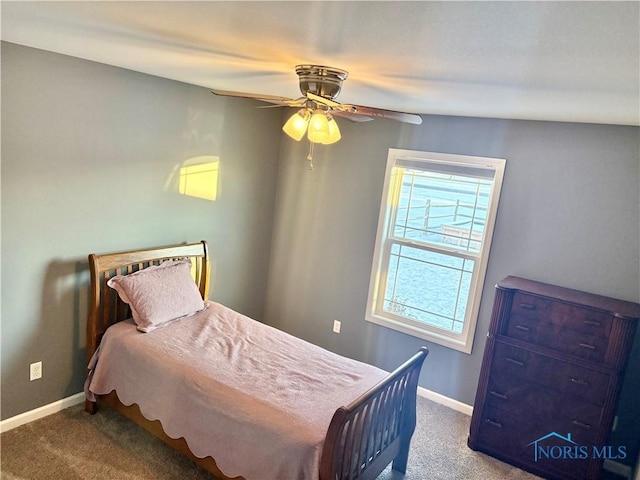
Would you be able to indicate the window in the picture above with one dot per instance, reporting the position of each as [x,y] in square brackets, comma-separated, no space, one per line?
[432,247]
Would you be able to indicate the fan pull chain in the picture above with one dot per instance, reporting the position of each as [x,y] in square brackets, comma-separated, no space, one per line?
[310,155]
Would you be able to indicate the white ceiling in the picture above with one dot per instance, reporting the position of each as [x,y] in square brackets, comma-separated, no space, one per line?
[564,61]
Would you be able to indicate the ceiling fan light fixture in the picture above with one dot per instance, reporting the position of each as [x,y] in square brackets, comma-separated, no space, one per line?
[334,131]
[296,126]
[318,127]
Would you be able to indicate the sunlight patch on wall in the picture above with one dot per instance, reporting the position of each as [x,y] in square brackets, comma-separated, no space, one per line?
[199,177]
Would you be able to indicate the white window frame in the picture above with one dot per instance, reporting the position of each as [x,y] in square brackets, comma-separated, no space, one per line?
[375,313]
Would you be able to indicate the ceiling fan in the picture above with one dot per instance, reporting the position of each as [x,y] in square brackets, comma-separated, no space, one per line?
[320,85]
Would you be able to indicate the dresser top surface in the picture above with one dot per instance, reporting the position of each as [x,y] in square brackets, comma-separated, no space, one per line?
[619,308]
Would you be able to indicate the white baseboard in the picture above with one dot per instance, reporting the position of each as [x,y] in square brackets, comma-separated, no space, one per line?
[41,412]
[446,401]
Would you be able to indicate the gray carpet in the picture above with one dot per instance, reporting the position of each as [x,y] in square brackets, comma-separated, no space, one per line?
[72,445]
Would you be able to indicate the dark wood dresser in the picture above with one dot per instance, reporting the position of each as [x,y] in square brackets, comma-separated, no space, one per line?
[550,378]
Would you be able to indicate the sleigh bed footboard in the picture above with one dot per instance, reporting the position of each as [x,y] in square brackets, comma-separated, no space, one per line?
[376,429]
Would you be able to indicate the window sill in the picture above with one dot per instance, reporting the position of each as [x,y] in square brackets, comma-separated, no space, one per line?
[441,339]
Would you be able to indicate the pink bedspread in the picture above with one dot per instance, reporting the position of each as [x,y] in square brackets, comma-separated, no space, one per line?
[258,400]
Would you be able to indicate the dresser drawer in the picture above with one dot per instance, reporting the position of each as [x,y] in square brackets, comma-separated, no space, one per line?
[562,315]
[551,335]
[570,380]
[536,403]
[512,436]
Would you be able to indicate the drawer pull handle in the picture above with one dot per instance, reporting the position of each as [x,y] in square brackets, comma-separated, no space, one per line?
[527,306]
[493,422]
[514,361]
[498,394]
[592,323]
[580,424]
[523,328]
[587,345]
[578,381]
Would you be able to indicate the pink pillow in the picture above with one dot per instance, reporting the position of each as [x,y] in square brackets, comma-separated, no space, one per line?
[159,294]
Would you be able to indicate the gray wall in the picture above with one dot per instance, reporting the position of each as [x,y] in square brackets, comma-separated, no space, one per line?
[569,215]
[89,158]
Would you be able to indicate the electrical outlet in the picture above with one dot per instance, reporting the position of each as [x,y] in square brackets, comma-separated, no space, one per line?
[336,326]
[35,371]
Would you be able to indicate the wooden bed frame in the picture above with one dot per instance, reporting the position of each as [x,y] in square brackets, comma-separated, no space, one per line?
[362,438]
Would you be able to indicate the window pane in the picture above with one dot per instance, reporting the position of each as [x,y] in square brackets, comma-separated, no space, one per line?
[442,209]
[428,287]
[432,244]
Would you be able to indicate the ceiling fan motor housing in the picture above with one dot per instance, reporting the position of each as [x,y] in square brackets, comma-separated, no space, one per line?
[319,80]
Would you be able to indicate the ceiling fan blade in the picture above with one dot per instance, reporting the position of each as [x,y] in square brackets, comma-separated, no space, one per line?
[297,103]
[352,117]
[275,105]
[367,111]
[412,118]
[279,101]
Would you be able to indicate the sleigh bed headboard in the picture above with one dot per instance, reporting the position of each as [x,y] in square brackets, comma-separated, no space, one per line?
[106,308]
